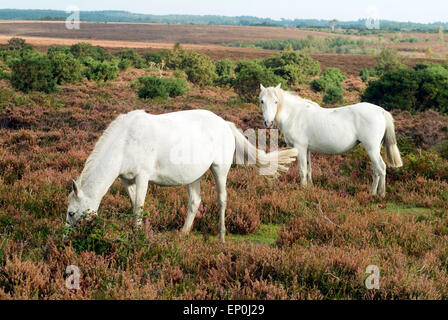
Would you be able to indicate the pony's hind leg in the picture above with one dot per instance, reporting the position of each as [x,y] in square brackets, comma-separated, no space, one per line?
[379,173]
[309,174]
[220,173]
[141,187]
[194,200]
[302,159]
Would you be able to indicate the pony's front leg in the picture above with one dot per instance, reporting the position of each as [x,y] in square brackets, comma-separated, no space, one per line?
[194,200]
[220,174]
[309,174]
[302,158]
[141,183]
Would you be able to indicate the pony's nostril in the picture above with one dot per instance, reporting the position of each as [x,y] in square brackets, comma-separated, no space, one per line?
[71,214]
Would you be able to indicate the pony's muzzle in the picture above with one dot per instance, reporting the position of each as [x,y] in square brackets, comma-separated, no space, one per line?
[268,124]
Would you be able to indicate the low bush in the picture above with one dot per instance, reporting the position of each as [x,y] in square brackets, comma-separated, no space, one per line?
[225,69]
[249,76]
[156,56]
[296,68]
[152,87]
[84,50]
[100,70]
[65,68]
[131,56]
[33,73]
[199,68]
[424,87]
[330,83]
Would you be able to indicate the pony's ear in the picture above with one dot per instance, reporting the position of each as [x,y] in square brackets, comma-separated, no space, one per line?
[75,188]
[262,87]
[278,86]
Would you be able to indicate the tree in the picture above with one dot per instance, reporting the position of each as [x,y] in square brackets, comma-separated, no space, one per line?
[333,24]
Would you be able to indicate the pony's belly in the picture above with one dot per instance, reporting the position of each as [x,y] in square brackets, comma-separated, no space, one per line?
[333,148]
[179,175]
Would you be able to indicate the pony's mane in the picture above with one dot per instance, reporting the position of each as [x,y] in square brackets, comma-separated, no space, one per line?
[98,148]
[290,95]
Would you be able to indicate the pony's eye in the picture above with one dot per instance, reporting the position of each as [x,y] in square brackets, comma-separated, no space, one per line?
[276,102]
[262,101]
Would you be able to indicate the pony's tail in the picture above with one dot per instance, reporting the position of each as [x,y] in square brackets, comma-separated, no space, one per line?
[271,163]
[393,158]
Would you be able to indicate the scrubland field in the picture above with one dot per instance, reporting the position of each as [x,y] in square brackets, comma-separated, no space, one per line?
[283,241]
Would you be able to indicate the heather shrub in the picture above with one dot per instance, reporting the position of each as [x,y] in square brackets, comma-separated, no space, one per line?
[33,73]
[295,67]
[100,70]
[249,76]
[426,164]
[132,56]
[152,86]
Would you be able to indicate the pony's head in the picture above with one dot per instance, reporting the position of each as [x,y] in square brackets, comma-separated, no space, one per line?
[270,99]
[79,205]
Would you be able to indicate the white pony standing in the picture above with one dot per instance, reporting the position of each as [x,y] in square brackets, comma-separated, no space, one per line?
[170,149]
[309,128]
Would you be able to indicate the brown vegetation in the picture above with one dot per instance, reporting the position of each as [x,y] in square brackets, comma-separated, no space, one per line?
[328,233]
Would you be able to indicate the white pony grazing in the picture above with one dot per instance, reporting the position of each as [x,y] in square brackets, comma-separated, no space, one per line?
[309,128]
[170,149]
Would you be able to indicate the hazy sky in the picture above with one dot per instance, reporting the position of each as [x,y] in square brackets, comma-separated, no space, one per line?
[399,10]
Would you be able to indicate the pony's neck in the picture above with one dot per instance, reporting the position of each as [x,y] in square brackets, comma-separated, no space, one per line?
[291,107]
[98,176]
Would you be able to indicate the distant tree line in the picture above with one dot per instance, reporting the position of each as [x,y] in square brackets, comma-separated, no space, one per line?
[125,16]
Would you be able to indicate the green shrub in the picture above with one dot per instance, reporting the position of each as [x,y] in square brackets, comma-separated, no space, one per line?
[331,77]
[33,73]
[58,49]
[152,86]
[17,44]
[296,68]
[156,56]
[133,56]
[333,94]
[124,64]
[388,60]
[199,68]
[84,51]
[100,70]
[225,69]
[366,74]
[66,69]
[443,149]
[249,76]
[424,87]
[179,74]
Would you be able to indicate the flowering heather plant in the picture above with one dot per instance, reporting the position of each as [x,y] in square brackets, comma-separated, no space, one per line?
[285,241]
